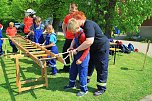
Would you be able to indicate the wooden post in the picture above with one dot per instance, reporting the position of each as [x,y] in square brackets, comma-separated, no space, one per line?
[146,54]
[46,78]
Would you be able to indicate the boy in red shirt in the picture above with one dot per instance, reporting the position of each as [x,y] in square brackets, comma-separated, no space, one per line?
[11,31]
[81,59]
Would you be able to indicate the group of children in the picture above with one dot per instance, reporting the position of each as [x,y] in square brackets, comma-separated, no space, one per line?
[81,59]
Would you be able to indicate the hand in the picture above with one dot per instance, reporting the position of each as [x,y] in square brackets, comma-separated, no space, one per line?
[74,51]
[78,62]
[69,49]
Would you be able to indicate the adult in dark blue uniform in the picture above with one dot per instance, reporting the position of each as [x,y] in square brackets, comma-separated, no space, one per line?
[99,50]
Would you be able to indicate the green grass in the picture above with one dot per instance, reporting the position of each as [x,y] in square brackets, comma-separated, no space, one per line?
[126,81]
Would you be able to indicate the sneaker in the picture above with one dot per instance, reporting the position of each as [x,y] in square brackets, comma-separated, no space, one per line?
[53,74]
[69,87]
[88,80]
[99,92]
[80,93]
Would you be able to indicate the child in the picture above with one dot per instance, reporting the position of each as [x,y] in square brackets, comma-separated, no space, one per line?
[50,44]
[37,30]
[28,20]
[81,59]
[11,31]
[1,41]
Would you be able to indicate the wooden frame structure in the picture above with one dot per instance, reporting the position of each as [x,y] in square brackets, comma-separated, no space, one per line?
[38,54]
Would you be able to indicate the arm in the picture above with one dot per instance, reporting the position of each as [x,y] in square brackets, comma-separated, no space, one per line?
[50,45]
[86,44]
[64,28]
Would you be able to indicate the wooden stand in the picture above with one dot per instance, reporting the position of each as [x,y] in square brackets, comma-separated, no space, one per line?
[19,82]
[38,54]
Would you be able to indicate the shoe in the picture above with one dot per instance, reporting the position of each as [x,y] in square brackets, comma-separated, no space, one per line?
[69,87]
[99,92]
[53,74]
[80,93]
[88,80]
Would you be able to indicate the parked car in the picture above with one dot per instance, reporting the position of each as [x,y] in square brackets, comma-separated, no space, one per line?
[19,27]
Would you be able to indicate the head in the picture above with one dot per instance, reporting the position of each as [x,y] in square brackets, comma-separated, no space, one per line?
[80,17]
[38,21]
[73,25]
[73,7]
[49,29]
[30,12]
[11,24]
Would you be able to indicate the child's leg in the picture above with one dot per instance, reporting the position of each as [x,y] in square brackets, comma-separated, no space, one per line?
[14,49]
[73,74]
[83,72]
[53,66]
[1,50]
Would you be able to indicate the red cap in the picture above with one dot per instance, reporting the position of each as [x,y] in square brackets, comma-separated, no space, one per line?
[1,25]
[136,50]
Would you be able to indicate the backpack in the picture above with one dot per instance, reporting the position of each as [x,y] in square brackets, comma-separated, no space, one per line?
[124,49]
[130,47]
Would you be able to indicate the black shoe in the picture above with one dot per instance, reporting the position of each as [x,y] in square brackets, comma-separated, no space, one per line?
[88,80]
[69,87]
[99,92]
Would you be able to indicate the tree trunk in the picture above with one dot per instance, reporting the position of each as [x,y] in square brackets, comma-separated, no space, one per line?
[56,22]
[109,17]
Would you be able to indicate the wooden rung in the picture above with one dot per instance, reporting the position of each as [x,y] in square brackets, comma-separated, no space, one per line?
[47,58]
[32,87]
[39,55]
[27,45]
[37,52]
[34,80]
[113,49]
[33,49]
[30,47]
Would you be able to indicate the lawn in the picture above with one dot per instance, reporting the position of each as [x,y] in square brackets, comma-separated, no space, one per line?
[126,81]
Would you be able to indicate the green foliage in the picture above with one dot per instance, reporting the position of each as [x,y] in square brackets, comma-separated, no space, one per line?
[129,18]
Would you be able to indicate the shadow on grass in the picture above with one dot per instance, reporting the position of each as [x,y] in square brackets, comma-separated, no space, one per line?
[125,68]
[58,83]
[8,85]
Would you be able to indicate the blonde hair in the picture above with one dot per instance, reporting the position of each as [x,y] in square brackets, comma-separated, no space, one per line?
[73,25]
[50,28]
[11,24]
[37,19]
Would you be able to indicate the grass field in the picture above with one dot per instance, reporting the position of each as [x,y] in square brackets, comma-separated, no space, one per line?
[126,81]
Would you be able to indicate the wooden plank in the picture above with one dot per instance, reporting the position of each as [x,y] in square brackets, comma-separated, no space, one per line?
[37,52]
[34,80]
[34,49]
[40,55]
[32,87]
[29,47]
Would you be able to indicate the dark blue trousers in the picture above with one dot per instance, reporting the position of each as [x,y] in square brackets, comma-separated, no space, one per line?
[52,62]
[14,49]
[82,70]
[99,60]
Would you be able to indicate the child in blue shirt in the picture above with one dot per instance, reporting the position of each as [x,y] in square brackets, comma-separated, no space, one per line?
[37,30]
[1,41]
[50,44]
